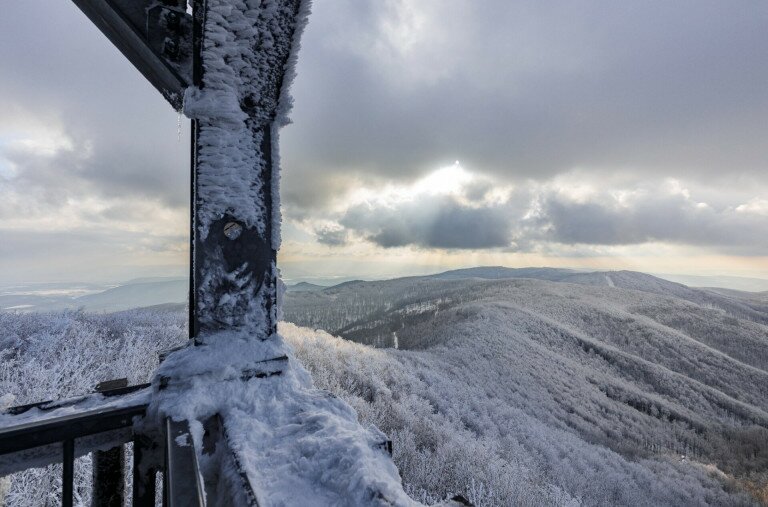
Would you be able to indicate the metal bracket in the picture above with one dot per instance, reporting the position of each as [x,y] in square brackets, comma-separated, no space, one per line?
[156,36]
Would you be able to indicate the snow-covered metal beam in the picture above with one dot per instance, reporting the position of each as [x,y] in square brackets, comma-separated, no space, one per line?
[228,64]
[237,105]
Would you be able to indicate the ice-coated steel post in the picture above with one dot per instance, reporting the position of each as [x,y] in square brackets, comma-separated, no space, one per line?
[224,64]
[241,53]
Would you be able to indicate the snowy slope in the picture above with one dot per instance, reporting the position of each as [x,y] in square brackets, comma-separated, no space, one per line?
[733,303]
[513,391]
[603,387]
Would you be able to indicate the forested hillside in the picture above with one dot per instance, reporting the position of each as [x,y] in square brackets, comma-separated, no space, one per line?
[374,312]
[606,391]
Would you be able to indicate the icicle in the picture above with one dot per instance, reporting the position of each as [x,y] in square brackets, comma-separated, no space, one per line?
[178,122]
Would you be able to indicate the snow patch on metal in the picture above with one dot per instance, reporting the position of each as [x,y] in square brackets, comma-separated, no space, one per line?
[297,445]
[242,94]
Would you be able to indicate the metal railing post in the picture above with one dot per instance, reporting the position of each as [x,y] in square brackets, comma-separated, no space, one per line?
[108,477]
[68,472]
[109,466]
[143,475]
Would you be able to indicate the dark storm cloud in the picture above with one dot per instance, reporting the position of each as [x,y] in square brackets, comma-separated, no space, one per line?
[331,236]
[529,220]
[519,89]
[531,89]
[655,218]
[430,223]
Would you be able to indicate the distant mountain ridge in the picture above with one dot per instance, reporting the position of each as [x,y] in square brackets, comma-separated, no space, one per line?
[151,291]
[501,272]
[744,304]
[304,286]
[138,293]
[353,309]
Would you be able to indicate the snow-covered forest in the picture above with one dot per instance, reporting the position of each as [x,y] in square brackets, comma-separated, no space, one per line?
[571,389]
[48,356]
[610,388]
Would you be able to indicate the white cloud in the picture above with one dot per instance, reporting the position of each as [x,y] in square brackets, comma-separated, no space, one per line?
[757,206]
[576,219]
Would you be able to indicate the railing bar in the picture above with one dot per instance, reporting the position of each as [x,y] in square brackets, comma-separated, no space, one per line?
[108,479]
[48,431]
[54,404]
[165,484]
[182,471]
[68,473]
[143,476]
[249,493]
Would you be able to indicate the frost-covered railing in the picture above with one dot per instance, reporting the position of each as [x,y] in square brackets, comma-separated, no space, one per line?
[49,432]
[44,433]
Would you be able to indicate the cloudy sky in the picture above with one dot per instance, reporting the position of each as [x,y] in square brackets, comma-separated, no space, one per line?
[427,135]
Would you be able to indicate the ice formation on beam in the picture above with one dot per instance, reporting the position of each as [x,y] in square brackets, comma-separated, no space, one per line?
[296,445]
[241,100]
